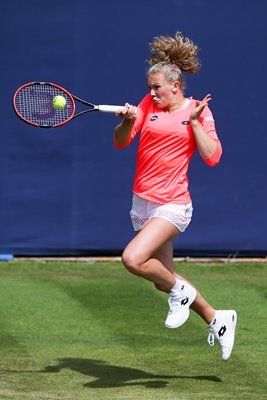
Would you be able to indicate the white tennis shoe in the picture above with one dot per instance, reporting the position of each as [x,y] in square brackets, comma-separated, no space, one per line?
[179,302]
[222,329]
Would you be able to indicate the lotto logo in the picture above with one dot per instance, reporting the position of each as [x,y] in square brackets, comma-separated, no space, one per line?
[222,331]
[185,301]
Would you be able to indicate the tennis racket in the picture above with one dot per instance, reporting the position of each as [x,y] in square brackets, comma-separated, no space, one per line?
[33,103]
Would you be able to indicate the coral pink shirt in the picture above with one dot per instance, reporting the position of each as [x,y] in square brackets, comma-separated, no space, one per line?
[166,146]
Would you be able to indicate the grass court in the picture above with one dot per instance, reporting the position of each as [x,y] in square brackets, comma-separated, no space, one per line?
[78,331]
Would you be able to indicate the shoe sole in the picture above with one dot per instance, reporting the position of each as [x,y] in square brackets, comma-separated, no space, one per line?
[234,313]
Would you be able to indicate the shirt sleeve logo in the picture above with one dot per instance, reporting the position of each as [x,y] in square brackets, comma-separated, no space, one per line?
[153,118]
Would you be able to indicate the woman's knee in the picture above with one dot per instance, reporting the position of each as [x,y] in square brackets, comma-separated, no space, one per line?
[132,262]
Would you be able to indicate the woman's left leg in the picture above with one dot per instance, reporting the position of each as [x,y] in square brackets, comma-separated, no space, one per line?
[222,323]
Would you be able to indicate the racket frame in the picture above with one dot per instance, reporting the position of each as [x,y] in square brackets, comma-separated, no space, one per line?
[93,107]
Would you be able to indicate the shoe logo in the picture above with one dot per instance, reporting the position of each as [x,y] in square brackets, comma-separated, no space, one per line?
[153,118]
[222,331]
[185,301]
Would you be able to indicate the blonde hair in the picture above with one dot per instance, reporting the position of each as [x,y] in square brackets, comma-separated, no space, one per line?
[172,56]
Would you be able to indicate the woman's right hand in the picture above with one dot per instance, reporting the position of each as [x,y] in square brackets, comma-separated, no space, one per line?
[128,112]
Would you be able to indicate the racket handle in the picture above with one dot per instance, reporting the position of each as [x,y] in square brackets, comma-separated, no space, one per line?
[110,109]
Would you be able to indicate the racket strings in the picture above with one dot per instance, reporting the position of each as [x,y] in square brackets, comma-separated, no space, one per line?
[35,104]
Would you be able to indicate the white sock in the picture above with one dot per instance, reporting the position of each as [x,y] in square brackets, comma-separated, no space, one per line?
[215,319]
[178,285]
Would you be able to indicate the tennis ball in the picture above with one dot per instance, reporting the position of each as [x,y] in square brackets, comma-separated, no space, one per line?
[59,102]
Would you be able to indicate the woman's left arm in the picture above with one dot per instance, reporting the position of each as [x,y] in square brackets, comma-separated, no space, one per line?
[206,145]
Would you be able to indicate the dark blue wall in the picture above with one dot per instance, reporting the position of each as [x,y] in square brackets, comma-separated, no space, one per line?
[68,190]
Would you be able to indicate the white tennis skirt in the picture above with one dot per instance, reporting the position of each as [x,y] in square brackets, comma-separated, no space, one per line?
[143,210]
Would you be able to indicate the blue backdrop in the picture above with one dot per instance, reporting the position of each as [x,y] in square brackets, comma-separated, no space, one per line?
[67,191]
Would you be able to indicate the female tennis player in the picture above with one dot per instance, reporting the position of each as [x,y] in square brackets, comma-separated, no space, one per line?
[171,126]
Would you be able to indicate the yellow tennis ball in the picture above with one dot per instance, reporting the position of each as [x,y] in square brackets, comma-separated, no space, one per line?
[59,102]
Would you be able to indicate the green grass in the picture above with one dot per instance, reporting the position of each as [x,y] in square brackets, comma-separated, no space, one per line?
[79,331]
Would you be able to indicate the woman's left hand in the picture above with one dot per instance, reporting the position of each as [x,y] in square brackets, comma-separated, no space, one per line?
[196,112]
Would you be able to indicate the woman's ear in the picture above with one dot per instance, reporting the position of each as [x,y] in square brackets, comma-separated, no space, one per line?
[176,87]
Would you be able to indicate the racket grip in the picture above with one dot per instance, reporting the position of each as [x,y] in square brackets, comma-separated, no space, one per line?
[110,109]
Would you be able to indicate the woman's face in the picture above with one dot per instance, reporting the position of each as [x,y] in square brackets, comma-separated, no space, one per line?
[161,90]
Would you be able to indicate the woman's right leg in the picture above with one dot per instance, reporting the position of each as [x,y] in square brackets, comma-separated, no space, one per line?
[199,305]
[139,258]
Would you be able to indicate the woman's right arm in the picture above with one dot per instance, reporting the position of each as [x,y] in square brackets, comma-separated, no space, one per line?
[123,130]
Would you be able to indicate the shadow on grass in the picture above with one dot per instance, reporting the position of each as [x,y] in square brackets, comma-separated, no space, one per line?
[108,376]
